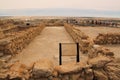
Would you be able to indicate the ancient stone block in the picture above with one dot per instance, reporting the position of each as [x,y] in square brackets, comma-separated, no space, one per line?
[42,68]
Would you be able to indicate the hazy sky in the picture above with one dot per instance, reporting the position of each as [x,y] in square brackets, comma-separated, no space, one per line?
[77,4]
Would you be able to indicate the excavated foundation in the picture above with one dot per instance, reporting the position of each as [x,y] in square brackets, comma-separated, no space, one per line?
[100,65]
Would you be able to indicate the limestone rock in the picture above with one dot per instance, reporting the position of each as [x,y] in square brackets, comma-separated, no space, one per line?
[1,54]
[99,62]
[1,34]
[19,71]
[69,68]
[100,75]
[108,38]
[42,68]
[113,70]
[6,58]
[88,74]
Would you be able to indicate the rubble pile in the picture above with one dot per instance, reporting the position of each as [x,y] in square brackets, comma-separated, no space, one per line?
[98,50]
[109,38]
[14,71]
[98,68]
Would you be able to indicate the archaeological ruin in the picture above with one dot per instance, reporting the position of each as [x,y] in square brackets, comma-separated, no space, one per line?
[29,49]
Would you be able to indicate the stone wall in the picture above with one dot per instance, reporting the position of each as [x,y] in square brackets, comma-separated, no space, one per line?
[9,27]
[54,22]
[109,38]
[16,41]
[1,34]
[94,22]
[78,36]
[100,65]
[99,68]
[86,43]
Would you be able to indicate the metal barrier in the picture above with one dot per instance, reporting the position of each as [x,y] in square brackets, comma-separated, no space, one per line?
[60,52]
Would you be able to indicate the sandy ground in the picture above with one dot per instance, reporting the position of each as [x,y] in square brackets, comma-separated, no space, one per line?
[94,31]
[46,45]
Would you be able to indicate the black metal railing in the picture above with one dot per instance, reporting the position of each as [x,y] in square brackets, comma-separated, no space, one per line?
[60,52]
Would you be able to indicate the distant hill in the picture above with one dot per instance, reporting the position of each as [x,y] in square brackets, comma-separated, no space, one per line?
[59,12]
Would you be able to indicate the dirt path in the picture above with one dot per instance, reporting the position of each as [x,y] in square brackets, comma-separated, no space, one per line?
[46,45]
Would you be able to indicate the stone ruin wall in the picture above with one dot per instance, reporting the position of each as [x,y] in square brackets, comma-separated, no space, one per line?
[1,34]
[79,37]
[107,69]
[108,38]
[54,22]
[6,28]
[15,41]
[95,22]
[101,65]
[98,68]
[86,44]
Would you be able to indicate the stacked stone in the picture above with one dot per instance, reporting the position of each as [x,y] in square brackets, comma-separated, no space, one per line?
[96,22]
[99,50]
[18,40]
[8,28]
[109,38]
[14,71]
[43,70]
[98,68]
[86,44]
[84,41]
[39,70]
[1,34]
